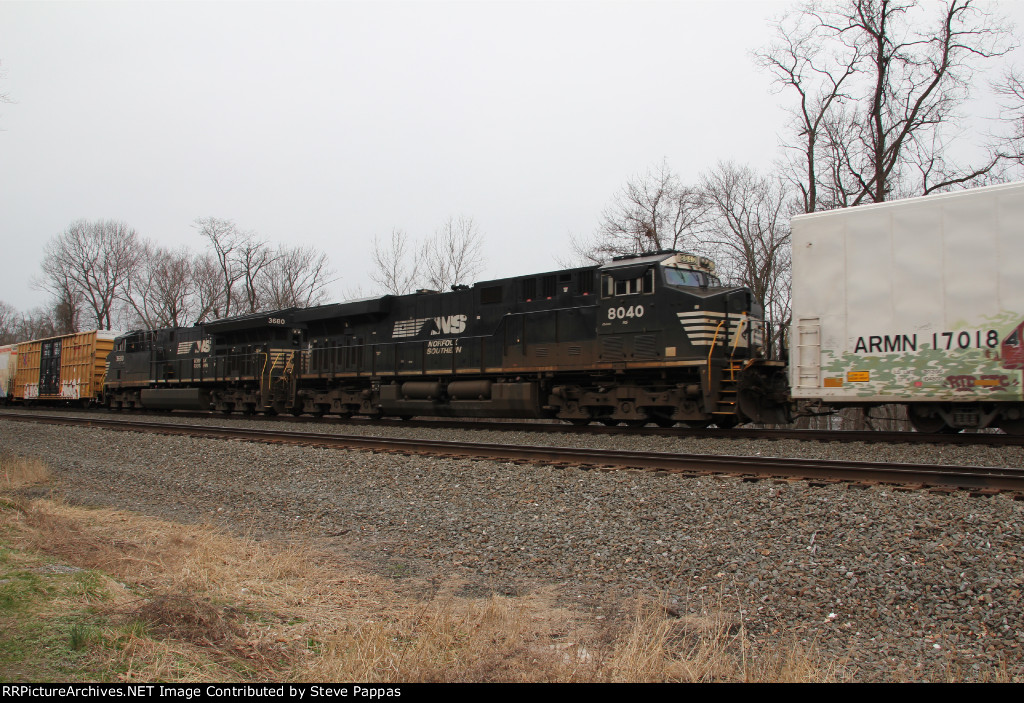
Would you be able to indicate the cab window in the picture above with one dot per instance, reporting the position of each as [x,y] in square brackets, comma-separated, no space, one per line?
[612,287]
[689,277]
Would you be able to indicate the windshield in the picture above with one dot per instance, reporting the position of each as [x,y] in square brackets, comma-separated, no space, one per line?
[689,277]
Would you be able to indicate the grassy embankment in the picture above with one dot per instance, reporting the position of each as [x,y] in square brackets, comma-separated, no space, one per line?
[103,595]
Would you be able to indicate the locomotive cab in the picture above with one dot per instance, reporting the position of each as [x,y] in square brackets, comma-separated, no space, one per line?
[679,294]
[690,271]
[666,320]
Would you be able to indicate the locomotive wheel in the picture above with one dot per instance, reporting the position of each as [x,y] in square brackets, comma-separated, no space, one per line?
[1014,427]
[727,423]
[661,420]
[928,424]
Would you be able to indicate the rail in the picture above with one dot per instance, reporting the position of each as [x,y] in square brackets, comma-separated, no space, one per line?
[981,480]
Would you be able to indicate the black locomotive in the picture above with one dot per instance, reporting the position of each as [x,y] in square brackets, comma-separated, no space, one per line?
[647,338]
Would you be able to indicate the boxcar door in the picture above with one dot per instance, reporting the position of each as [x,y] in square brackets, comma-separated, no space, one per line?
[49,368]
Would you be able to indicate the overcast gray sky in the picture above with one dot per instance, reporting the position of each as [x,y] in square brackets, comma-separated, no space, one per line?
[329,123]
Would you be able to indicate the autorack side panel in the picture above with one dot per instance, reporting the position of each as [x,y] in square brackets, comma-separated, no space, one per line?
[912,300]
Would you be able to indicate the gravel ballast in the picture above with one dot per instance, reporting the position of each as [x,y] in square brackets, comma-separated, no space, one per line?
[900,585]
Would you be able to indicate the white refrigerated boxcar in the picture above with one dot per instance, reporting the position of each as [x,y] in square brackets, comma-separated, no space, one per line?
[8,368]
[917,302]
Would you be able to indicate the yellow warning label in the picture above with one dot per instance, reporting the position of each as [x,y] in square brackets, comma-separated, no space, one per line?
[858,376]
[833,383]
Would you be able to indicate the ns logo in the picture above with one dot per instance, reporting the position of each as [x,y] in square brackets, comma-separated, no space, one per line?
[198,347]
[453,324]
[450,324]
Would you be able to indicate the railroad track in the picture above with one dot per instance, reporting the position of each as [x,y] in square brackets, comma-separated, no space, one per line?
[554,427]
[978,480]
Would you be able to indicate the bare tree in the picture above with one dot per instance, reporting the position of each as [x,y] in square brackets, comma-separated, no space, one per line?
[16,326]
[1010,89]
[65,315]
[750,238]
[454,255]
[296,277]
[254,258]
[879,85]
[8,323]
[209,293]
[91,262]
[803,61]
[163,291]
[225,239]
[653,211]
[241,259]
[396,264]
[36,324]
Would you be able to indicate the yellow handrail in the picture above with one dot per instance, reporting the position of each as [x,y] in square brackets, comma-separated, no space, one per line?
[713,340]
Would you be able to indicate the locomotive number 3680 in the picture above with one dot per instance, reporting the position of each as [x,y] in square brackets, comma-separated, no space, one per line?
[621,313]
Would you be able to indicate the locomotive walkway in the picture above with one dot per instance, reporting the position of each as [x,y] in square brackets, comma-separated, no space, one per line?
[978,480]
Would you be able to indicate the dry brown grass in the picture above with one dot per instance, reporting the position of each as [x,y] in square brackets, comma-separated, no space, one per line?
[18,472]
[192,603]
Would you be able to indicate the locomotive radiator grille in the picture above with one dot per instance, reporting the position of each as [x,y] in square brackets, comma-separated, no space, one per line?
[612,348]
[645,347]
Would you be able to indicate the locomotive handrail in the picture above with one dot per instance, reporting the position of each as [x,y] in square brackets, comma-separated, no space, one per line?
[712,349]
[266,360]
